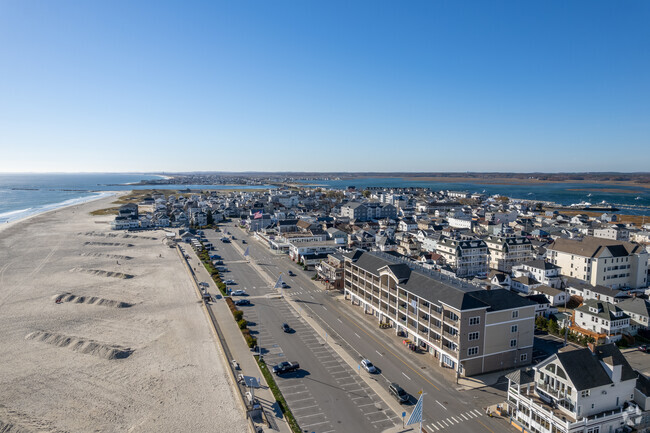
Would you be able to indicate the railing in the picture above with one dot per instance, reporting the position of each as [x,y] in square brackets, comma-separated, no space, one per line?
[450,335]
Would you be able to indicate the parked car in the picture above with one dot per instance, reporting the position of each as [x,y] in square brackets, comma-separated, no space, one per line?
[643,348]
[235,364]
[285,285]
[365,363]
[291,274]
[238,293]
[396,391]
[286,328]
[240,302]
[229,282]
[243,241]
[285,367]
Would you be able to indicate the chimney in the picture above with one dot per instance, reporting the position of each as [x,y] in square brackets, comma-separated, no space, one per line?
[591,347]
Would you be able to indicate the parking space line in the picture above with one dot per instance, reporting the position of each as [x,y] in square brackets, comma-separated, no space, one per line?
[316,423]
[312,414]
[463,416]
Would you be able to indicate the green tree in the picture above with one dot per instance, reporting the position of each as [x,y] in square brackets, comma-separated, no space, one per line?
[553,327]
[541,323]
[366,193]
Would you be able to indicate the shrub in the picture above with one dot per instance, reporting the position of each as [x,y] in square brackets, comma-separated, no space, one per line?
[242,323]
[238,315]
[251,341]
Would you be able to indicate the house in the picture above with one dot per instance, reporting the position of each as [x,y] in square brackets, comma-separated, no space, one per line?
[617,232]
[639,311]
[524,284]
[407,225]
[575,390]
[499,279]
[601,261]
[542,305]
[331,271]
[586,291]
[541,270]
[601,320]
[557,297]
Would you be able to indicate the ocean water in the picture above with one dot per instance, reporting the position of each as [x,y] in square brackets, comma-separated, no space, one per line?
[634,202]
[23,195]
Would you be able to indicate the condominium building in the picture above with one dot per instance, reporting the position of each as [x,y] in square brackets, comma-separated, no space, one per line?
[599,261]
[508,251]
[470,330]
[466,257]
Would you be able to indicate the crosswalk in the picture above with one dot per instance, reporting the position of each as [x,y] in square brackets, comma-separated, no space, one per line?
[451,421]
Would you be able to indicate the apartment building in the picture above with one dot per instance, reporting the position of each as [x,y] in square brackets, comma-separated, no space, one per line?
[470,330]
[466,257]
[368,211]
[588,390]
[599,261]
[508,251]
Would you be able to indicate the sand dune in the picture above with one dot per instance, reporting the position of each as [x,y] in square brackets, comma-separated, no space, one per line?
[93,300]
[103,273]
[110,256]
[108,244]
[81,345]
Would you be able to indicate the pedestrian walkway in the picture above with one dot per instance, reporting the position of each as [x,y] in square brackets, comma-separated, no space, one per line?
[273,419]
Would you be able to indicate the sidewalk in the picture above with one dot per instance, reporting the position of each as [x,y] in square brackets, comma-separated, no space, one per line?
[239,351]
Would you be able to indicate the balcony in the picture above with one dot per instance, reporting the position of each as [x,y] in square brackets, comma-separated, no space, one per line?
[450,336]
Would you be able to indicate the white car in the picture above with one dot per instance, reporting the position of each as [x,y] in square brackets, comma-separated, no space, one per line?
[238,293]
[229,282]
[365,363]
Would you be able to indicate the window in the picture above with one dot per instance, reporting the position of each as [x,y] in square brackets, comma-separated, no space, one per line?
[513,342]
[472,351]
[515,314]
[513,328]
[585,393]
[523,357]
[474,320]
[472,336]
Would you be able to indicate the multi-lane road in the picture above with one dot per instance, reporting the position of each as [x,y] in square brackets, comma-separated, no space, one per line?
[327,395]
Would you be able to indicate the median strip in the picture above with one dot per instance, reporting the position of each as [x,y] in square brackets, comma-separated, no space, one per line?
[284,407]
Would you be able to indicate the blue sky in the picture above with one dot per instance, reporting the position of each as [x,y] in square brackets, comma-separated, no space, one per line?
[324,86]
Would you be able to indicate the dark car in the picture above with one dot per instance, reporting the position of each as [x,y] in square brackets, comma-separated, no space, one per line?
[291,274]
[286,328]
[397,392]
[240,302]
[243,241]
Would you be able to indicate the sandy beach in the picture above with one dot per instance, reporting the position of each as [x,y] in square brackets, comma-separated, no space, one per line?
[127,348]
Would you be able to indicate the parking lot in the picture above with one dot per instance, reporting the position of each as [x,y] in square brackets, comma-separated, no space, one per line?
[325,394]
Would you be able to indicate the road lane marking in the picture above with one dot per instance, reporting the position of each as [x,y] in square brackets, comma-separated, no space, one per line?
[477,412]
[378,353]
[442,405]
[457,421]
[407,377]
[463,416]
[358,336]
[390,351]
[444,422]
[486,427]
[324,307]
[441,426]
[339,320]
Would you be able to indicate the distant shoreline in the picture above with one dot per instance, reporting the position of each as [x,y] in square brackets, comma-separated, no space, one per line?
[501,180]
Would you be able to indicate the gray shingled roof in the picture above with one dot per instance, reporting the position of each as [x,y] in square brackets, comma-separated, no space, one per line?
[462,297]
